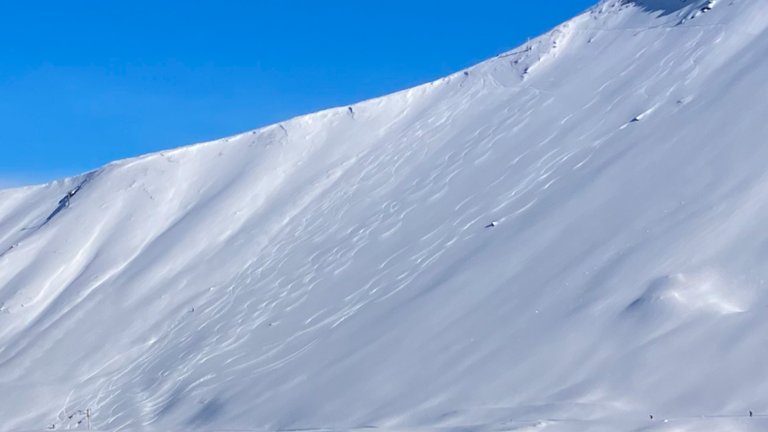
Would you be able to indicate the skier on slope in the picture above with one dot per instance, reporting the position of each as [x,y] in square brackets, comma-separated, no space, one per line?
[69,196]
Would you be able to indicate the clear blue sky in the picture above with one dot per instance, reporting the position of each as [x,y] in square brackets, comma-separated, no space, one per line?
[83,83]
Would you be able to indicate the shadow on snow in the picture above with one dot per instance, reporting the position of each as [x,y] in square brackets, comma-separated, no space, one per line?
[666,7]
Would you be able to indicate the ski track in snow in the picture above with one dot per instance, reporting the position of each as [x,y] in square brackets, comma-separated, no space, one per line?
[338,271]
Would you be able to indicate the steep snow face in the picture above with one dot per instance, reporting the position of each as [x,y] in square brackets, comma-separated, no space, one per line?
[569,237]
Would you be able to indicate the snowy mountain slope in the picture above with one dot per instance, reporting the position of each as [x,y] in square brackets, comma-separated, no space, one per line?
[335,271]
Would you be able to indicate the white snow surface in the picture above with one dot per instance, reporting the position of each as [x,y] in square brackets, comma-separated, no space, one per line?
[338,272]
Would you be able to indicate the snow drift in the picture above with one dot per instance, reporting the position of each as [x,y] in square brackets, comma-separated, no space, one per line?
[335,272]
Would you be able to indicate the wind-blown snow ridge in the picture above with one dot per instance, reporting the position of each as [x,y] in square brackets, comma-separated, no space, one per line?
[567,237]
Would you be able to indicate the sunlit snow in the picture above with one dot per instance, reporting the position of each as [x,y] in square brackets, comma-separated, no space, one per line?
[571,236]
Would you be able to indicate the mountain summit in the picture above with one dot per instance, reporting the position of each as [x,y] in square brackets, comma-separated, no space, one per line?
[568,237]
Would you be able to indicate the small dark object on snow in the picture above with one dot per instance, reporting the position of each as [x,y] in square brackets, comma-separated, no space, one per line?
[69,196]
[651,416]
[351,111]
[750,413]
[466,73]
[492,224]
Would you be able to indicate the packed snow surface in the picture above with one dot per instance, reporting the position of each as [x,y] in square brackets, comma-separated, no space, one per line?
[572,236]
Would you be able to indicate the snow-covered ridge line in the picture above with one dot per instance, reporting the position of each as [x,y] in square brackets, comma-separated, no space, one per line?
[555,37]
[524,59]
[567,249]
